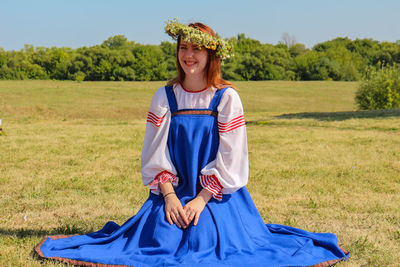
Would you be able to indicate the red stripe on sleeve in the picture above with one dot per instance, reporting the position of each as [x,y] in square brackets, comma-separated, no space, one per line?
[154,119]
[231,125]
[231,121]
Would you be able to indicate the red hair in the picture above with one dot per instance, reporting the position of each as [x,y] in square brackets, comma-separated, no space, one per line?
[213,67]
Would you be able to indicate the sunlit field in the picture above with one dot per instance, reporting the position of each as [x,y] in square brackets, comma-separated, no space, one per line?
[70,162]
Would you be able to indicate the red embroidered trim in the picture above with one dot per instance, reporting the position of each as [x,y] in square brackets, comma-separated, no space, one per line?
[211,184]
[154,119]
[193,91]
[163,177]
[231,125]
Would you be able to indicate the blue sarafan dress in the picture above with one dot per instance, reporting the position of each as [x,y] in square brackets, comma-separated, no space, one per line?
[230,232]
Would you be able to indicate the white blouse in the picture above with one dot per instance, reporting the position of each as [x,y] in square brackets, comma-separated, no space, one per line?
[224,175]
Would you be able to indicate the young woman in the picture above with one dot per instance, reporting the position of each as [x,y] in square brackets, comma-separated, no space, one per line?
[195,162]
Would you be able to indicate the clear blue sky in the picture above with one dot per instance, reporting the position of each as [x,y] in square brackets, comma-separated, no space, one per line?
[76,23]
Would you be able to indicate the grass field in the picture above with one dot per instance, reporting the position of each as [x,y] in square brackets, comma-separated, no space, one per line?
[70,161]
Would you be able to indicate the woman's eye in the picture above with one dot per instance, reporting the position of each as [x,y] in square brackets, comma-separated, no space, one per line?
[182,47]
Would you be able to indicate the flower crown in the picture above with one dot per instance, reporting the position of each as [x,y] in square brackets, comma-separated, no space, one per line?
[175,29]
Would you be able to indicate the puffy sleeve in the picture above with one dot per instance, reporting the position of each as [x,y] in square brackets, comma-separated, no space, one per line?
[229,171]
[157,166]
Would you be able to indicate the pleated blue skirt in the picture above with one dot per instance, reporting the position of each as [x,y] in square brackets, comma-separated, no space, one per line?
[229,233]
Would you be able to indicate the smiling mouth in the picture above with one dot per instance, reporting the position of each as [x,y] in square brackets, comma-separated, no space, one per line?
[190,63]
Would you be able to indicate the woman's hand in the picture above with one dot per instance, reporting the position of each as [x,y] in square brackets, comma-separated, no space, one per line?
[173,208]
[174,211]
[194,207]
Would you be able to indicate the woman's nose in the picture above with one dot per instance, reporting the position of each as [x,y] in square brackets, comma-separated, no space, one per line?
[189,52]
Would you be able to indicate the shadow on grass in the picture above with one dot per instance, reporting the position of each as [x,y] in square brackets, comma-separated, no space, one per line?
[343,115]
[27,233]
[23,233]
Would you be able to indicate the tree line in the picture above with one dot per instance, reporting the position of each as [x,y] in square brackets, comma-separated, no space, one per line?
[118,59]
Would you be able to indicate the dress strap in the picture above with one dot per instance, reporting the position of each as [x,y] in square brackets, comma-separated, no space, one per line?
[171,98]
[216,99]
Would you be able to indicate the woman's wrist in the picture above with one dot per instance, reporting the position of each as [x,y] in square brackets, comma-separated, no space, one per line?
[168,194]
[166,188]
[205,195]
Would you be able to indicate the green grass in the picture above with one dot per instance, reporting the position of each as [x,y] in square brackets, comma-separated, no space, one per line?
[70,161]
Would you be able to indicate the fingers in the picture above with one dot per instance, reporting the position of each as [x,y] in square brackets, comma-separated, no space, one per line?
[173,216]
[193,211]
[178,217]
[168,215]
[196,218]
[183,216]
[181,221]
[174,212]
[190,215]
[188,211]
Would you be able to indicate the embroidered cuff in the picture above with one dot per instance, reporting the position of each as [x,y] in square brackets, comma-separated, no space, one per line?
[162,178]
[211,184]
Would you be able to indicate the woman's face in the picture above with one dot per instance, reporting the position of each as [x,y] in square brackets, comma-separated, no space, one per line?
[192,58]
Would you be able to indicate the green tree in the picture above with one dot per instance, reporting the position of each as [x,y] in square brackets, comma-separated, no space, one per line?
[116,42]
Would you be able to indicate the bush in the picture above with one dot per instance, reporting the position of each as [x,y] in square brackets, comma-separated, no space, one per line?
[380,89]
[78,76]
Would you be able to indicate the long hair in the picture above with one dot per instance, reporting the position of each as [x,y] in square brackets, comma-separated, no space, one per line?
[212,68]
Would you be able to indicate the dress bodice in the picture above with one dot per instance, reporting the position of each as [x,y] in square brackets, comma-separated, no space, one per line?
[193,141]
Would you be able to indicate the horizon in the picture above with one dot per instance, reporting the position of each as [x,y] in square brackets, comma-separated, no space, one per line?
[172,41]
